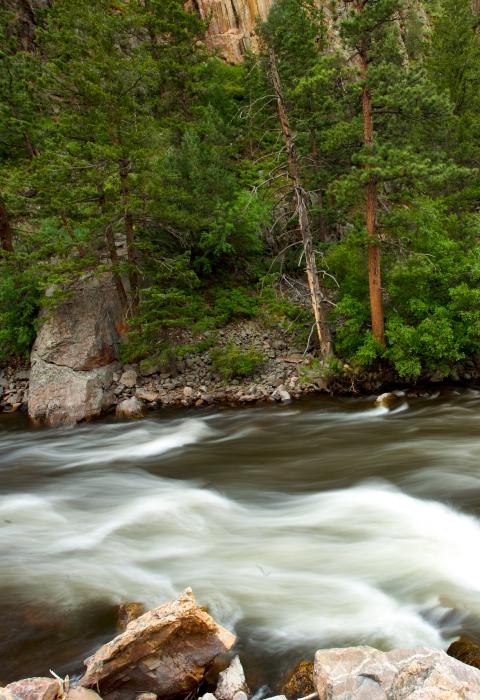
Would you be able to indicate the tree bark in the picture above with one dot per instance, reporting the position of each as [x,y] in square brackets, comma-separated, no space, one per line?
[6,236]
[316,295]
[374,255]
[113,255]
[124,169]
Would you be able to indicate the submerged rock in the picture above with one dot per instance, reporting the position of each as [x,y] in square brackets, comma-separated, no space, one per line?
[390,399]
[299,681]
[364,673]
[466,650]
[164,652]
[127,612]
[231,682]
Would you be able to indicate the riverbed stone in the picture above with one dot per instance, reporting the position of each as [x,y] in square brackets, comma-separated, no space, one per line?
[129,378]
[130,408]
[364,673]
[232,681]
[299,680]
[62,396]
[467,650]
[147,395]
[164,652]
[127,612]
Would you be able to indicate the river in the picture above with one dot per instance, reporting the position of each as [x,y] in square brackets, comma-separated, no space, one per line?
[322,523]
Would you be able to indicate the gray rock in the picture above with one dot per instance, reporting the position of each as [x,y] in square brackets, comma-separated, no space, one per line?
[62,396]
[75,353]
[129,378]
[130,408]
[80,332]
[231,682]
[364,673]
[146,395]
[281,394]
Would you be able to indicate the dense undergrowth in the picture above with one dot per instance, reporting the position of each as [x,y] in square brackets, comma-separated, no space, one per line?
[127,147]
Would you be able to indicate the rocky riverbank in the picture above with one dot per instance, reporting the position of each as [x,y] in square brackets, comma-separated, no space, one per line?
[75,373]
[178,651]
[284,373]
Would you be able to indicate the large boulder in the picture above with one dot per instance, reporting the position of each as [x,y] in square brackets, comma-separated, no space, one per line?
[74,354]
[164,652]
[32,689]
[365,673]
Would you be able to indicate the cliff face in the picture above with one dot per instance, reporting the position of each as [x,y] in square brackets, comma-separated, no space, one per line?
[232,23]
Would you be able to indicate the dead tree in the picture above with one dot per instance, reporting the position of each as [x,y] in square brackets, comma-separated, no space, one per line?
[316,295]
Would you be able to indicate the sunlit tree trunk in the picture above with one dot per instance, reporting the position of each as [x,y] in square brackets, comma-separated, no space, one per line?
[374,255]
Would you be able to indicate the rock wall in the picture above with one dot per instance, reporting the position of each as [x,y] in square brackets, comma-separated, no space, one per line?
[232,23]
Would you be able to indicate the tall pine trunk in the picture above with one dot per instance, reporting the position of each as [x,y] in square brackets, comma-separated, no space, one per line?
[113,255]
[316,295]
[6,237]
[124,169]
[374,255]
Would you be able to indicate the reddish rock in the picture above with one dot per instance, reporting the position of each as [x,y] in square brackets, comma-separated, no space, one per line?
[164,651]
[32,689]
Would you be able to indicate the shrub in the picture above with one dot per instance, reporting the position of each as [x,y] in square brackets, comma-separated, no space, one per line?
[232,361]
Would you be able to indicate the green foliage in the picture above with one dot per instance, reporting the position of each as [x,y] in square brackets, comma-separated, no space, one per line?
[431,274]
[232,361]
[19,304]
[118,125]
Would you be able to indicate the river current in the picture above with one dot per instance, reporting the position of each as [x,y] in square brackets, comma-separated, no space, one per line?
[328,522]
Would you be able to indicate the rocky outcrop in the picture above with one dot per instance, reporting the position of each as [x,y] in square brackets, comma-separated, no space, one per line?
[74,355]
[164,652]
[232,24]
[365,673]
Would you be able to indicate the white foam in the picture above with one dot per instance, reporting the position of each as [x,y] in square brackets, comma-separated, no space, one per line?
[359,564]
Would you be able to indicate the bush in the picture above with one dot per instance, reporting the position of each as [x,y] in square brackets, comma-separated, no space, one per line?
[231,361]
[19,305]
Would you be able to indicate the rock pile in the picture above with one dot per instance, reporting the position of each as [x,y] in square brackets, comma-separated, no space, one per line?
[177,651]
[13,389]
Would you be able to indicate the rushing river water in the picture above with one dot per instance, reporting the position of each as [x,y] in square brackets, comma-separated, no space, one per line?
[322,523]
